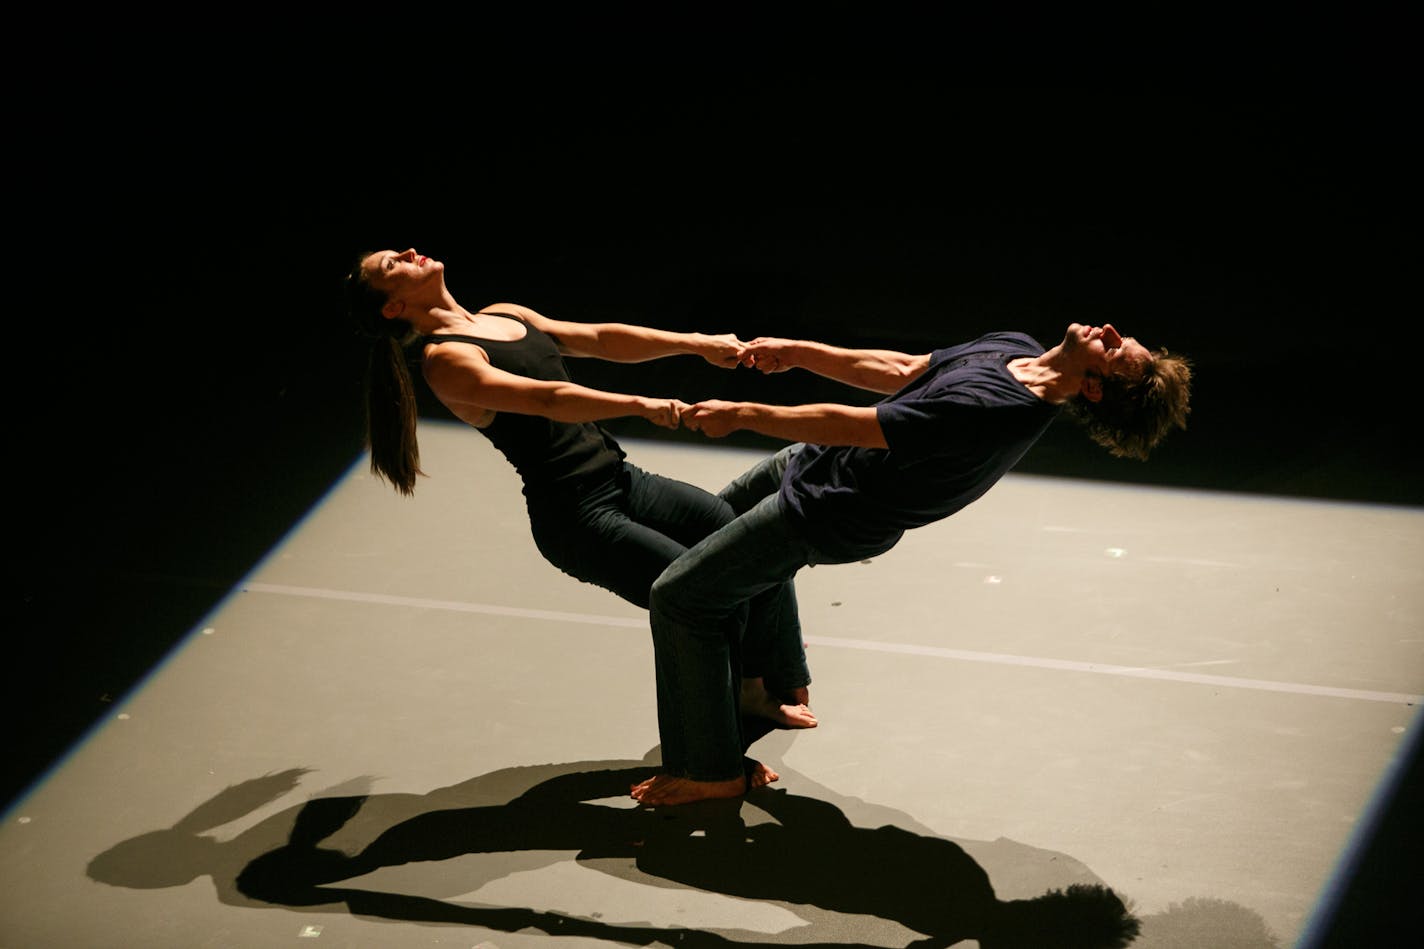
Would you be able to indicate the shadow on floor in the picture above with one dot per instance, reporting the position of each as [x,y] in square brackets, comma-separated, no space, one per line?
[822,858]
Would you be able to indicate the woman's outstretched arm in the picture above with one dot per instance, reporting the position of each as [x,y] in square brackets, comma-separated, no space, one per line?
[625,342]
[463,379]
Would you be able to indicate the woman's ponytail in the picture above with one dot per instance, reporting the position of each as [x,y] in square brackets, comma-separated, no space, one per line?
[390,395]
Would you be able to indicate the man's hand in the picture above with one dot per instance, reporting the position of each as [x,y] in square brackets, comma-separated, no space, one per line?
[769,354]
[724,351]
[713,417]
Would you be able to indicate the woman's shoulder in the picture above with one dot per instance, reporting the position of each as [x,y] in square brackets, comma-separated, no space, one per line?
[516,310]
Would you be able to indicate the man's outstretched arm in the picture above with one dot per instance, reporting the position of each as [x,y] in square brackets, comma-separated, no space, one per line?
[876,370]
[823,423]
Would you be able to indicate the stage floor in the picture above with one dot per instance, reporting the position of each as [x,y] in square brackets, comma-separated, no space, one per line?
[1192,698]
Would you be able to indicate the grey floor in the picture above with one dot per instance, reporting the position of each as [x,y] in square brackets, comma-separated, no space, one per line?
[1189,697]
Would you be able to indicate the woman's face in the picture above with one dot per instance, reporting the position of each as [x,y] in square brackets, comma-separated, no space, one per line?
[399,274]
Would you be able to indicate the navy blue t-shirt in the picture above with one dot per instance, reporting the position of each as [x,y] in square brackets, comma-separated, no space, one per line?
[953,433]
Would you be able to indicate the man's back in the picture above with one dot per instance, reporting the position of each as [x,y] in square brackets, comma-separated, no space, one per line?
[952,432]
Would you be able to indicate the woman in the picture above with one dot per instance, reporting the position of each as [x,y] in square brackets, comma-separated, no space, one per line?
[593,515]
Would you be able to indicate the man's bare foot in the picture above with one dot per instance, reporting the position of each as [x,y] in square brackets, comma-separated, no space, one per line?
[759,775]
[756,700]
[665,789]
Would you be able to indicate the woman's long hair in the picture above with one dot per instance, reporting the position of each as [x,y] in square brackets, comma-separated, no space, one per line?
[390,395]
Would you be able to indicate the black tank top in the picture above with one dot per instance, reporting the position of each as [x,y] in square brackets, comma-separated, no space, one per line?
[549,455]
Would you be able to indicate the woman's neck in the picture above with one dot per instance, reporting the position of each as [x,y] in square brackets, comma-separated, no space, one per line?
[445,316]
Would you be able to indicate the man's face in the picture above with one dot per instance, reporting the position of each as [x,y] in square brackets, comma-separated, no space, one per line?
[1106,351]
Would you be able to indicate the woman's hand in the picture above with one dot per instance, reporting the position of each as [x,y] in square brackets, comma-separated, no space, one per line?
[665,413]
[724,351]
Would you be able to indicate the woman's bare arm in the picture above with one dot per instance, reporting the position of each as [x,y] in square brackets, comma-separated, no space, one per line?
[463,379]
[626,342]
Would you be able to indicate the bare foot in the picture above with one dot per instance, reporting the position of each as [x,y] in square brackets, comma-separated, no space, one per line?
[756,700]
[759,775]
[665,789]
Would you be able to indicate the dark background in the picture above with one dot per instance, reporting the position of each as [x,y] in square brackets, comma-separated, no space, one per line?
[188,385]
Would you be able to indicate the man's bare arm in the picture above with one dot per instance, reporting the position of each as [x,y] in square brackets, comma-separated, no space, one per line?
[876,370]
[823,423]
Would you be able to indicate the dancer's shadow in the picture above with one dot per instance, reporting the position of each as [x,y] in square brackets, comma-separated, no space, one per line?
[807,853]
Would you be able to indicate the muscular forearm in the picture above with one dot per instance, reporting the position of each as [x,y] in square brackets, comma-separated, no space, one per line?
[560,401]
[822,423]
[876,370]
[624,342]
[570,402]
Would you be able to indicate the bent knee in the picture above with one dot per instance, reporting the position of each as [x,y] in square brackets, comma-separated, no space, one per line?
[662,595]
[684,599]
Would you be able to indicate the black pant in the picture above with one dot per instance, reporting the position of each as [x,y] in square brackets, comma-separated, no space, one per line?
[622,534]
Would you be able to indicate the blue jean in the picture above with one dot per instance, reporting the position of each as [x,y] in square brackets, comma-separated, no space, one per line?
[725,609]
[620,534]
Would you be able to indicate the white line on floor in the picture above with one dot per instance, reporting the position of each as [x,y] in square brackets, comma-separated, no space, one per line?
[962,655]
[457,606]
[1136,672]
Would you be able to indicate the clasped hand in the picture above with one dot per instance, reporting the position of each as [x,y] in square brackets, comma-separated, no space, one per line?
[767,354]
[712,417]
[718,417]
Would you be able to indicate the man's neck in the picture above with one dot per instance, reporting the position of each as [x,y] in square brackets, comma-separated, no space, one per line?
[1051,377]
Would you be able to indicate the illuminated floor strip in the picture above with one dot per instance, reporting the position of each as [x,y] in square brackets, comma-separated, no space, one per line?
[962,655]
[1136,672]
[456,606]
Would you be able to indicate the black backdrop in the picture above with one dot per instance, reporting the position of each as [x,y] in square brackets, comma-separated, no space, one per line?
[188,385]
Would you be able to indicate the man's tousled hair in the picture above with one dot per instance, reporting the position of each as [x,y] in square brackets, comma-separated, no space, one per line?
[1135,414]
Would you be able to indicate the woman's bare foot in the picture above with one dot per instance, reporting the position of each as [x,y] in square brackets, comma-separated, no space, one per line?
[756,700]
[665,789]
[759,775]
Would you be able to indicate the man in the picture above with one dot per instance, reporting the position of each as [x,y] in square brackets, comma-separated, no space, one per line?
[855,480]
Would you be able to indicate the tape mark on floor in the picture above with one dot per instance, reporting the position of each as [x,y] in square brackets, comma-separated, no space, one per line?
[938,652]
[456,606]
[1135,672]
